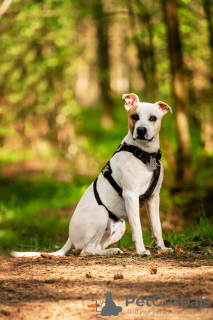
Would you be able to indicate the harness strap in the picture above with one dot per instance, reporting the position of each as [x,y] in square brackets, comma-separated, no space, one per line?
[107,173]
[153,183]
[98,199]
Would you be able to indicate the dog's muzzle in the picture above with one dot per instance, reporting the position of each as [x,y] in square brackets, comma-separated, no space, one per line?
[141,131]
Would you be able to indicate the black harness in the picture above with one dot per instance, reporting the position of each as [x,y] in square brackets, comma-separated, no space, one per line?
[147,158]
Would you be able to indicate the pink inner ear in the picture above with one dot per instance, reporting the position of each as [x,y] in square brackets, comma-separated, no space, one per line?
[131,99]
[164,107]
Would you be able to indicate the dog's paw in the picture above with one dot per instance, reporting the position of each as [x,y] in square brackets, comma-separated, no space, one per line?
[116,251]
[145,253]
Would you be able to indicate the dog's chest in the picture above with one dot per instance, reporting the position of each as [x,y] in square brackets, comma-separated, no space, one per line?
[131,173]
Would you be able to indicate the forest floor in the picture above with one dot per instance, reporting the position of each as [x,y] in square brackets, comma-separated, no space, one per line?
[59,288]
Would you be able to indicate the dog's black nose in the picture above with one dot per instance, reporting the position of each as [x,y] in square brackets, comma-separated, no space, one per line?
[141,131]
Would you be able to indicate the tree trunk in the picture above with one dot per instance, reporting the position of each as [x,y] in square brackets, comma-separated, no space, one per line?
[146,57]
[145,18]
[103,63]
[207,121]
[180,90]
[4,7]
[139,45]
[208,9]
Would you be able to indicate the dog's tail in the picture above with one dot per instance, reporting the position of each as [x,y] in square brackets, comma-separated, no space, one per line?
[61,252]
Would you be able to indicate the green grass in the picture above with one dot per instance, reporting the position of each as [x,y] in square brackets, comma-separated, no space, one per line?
[200,233]
[196,235]
[30,211]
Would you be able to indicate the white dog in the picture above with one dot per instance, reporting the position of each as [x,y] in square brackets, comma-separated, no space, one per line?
[133,176]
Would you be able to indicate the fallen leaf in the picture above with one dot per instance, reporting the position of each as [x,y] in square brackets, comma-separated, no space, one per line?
[89,275]
[153,271]
[93,305]
[76,252]
[5,313]
[163,251]
[118,276]
[90,263]
[46,256]
[180,250]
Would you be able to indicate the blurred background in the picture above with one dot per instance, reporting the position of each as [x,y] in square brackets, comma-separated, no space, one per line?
[63,69]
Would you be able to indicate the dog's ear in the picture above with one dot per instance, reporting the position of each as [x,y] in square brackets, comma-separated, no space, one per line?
[131,100]
[164,107]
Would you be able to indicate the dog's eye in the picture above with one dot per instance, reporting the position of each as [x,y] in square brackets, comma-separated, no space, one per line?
[135,117]
[153,118]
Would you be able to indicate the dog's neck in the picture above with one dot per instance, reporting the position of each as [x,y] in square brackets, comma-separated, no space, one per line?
[148,146]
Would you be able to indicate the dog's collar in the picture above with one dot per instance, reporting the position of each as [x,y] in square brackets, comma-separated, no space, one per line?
[142,155]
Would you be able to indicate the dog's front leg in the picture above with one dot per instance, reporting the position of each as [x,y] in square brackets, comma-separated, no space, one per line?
[154,218]
[132,207]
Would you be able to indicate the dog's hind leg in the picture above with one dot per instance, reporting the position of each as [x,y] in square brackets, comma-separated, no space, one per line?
[113,233]
[95,246]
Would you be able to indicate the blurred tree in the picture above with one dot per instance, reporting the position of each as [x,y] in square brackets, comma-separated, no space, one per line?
[208,9]
[103,62]
[207,124]
[143,33]
[36,71]
[180,89]
[5,5]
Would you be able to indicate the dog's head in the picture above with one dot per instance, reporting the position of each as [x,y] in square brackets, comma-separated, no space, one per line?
[144,118]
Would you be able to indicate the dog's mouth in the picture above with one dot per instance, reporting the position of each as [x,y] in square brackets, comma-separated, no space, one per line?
[143,138]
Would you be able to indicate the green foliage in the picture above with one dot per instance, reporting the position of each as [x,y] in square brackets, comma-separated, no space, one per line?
[202,232]
[30,211]
[196,235]
[206,228]
[36,51]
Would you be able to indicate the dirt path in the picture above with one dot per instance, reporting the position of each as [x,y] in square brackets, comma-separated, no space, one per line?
[62,288]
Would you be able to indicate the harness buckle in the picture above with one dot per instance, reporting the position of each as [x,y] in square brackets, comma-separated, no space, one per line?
[106,170]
